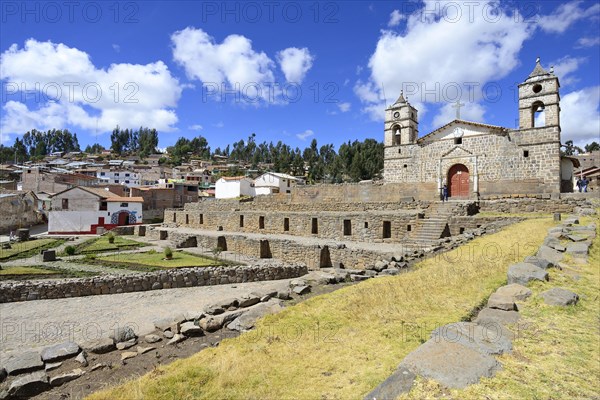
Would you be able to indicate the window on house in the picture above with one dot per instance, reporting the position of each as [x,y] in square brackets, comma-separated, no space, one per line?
[102,174]
[116,174]
[458,140]
[525,153]
[116,181]
[65,204]
[103,206]
[124,204]
[126,174]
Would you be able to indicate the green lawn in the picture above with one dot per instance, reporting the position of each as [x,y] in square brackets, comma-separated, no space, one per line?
[343,344]
[28,249]
[26,271]
[101,244]
[150,259]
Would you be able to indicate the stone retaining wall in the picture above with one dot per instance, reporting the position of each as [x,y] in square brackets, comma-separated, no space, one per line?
[176,278]
[533,204]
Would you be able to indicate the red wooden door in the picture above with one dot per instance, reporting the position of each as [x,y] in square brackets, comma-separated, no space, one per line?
[458,181]
[123,218]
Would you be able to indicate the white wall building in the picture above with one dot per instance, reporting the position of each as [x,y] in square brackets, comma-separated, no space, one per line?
[235,186]
[119,177]
[274,182]
[84,210]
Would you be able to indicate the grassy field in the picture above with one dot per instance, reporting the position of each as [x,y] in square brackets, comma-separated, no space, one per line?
[558,357]
[101,244]
[151,259]
[343,344]
[26,271]
[28,249]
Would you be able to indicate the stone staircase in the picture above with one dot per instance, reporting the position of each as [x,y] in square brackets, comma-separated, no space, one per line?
[435,224]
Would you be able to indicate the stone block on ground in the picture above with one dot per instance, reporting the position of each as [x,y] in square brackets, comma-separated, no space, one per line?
[559,297]
[451,364]
[301,289]
[67,377]
[502,302]
[539,262]
[578,249]
[248,300]
[60,351]
[144,350]
[126,355]
[549,254]
[123,334]
[23,362]
[214,323]
[152,338]
[176,339]
[247,320]
[82,359]
[29,385]
[401,381]
[522,273]
[52,366]
[514,290]
[190,329]
[127,344]
[486,339]
[489,316]
[99,346]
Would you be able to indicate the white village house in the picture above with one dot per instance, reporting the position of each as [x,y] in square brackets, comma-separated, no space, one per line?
[274,182]
[80,210]
[229,187]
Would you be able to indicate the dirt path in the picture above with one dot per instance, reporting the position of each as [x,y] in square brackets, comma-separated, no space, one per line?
[37,324]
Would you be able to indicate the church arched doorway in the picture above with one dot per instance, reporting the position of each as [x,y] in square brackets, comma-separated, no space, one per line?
[458,181]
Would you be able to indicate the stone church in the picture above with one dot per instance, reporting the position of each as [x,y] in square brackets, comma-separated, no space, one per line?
[478,160]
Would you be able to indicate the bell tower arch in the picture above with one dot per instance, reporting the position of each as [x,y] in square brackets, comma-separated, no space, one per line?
[537,95]
[401,123]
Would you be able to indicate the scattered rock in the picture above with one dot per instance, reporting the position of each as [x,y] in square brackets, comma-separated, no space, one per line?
[230,302]
[214,323]
[559,297]
[29,385]
[3,374]
[297,282]
[82,359]
[514,290]
[522,273]
[60,351]
[127,344]
[190,329]
[64,378]
[168,334]
[123,334]
[152,338]
[390,271]
[97,366]
[399,382]
[193,315]
[489,316]
[451,364]
[284,295]
[358,278]
[301,289]
[128,354]
[502,302]
[265,298]
[487,339]
[24,362]
[99,346]
[214,310]
[380,266]
[248,300]
[143,350]
[176,339]
[574,238]
[247,320]
[163,324]
[549,254]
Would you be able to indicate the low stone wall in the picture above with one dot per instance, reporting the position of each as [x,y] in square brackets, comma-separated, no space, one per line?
[534,204]
[176,278]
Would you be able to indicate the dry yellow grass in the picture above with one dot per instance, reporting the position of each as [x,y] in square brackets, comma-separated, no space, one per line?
[558,357]
[343,344]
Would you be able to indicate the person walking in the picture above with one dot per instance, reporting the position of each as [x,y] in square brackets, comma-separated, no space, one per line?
[579,184]
[584,184]
[445,193]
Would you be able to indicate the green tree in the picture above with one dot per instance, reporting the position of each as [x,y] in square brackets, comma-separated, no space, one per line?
[594,146]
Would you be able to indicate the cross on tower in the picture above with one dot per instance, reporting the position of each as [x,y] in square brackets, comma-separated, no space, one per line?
[458,106]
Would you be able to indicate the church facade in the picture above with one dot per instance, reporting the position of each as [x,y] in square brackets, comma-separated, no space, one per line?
[475,159]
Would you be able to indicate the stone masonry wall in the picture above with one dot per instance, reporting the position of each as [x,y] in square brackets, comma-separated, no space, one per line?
[175,278]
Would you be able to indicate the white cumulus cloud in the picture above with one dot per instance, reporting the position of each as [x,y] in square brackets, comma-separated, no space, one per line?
[196,127]
[566,15]
[71,90]
[305,135]
[344,107]
[295,63]
[580,116]
[395,18]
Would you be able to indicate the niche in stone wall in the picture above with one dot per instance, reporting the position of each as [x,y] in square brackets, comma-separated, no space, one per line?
[174,217]
[314,229]
[261,222]
[241,221]
[387,229]
[265,249]
[347,227]
[201,219]
[222,243]
[187,219]
[286,224]
[325,258]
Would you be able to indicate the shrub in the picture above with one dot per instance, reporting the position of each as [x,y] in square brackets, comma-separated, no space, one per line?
[111,238]
[70,250]
[168,253]
[90,256]
[151,251]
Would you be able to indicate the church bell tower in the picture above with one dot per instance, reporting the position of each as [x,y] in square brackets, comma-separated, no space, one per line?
[539,93]
[401,126]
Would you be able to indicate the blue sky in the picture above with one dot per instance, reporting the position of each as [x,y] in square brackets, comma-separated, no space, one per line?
[289,71]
